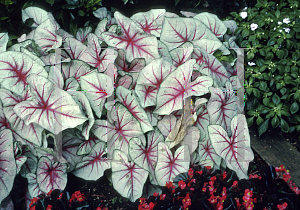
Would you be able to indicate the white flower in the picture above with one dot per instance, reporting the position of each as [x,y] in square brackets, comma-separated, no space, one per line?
[279,23]
[274,28]
[280,30]
[287,30]
[286,20]
[245,8]
[251,64]
[253,26]
[243,15]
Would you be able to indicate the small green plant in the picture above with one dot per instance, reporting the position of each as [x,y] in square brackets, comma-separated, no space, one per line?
[272,75]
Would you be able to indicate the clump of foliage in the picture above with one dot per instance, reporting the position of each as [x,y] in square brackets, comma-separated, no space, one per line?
[271,32]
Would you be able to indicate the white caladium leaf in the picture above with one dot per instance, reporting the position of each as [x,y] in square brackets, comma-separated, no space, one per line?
[32,56]
[181,54]
[33,187]
[168,167]
[63,34]
[207,152]
[212,22]
[3,41]
[191,138]
[51,175]
[134,41]
[51,58]
[176,31]
[30,164]
[70,143]
[39,15]
[86,146]
[151,116]
[102,13]
[231,24]
[221,107]
[92,55]
[93,165]
[103,130]
[15,68]
[82,34]
[174,89]
[132,104]
[101,27]
[74,47]
[167,124]
[188,14]
[151,21]
[126,127]
[164,51]
[214,68]
[7,163]
[99,87]
[235,82]
[32,132]
[128,178]
[146,157]
[76,69]
[53,108]
[85,107]
[202,118]
[45,36]
[236,150]
[210,46]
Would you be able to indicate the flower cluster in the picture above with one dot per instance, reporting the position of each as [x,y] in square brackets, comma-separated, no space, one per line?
[77,196]
[285,175]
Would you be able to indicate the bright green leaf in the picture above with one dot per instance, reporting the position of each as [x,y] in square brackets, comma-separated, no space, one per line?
[275,121]
[263,127]
[294,107]
[284,126]
[259,120]
[276,99]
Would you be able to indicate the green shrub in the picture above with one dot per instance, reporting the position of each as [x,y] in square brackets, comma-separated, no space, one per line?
[272,74]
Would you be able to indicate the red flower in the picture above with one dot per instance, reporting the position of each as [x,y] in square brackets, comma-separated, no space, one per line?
[235,184]
[155,194]
[49,207]
[170,185]
[181,184]
[191,172]
[283,206]
[33,200]
[199,172]
[162,196]
[77,196]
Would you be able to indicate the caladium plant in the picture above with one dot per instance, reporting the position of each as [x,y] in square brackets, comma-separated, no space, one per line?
[159,66]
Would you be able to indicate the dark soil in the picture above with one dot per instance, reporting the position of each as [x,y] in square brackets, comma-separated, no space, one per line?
[293,138]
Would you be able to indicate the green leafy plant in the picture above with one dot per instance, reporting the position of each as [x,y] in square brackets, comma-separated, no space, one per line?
[272,76]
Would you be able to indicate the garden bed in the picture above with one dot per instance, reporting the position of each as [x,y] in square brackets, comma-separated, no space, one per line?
[276,150]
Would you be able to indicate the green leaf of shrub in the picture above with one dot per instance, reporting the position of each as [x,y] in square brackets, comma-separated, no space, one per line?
[284,126]
[271,41]
[266,101]
[283,91]
[276,99]
[245,32]
[275,121]
[259,120]
[294,107]
[263,127]
[250,121]
[263,86]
